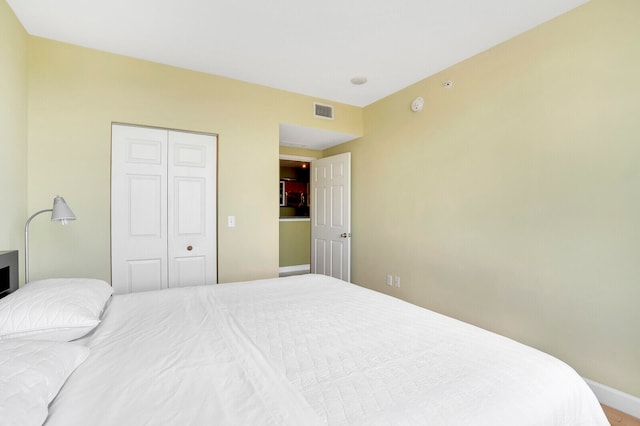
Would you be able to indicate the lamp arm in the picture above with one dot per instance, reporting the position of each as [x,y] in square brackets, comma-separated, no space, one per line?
[26,243]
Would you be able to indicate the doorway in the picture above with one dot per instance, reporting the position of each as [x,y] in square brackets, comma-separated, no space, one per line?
[332,247]
[294,224]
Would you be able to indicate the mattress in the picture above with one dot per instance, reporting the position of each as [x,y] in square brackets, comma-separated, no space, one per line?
[309,350]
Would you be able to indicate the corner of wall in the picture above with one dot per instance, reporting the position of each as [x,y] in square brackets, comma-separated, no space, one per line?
[13,127]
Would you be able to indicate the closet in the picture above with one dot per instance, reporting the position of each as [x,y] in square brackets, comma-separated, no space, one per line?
[163,208]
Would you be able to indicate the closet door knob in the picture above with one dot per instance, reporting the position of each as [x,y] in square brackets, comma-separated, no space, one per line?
[189,248]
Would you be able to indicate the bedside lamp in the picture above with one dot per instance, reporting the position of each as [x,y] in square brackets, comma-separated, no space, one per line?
[59,213]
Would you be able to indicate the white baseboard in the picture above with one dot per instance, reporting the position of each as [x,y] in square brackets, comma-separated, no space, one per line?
[295,269]
[615,399]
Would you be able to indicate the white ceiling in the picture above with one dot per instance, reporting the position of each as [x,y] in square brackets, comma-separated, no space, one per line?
[309,47]
[305,46]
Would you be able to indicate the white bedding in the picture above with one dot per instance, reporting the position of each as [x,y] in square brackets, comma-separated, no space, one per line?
[309,350]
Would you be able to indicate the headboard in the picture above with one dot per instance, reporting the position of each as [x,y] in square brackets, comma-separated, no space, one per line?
[8,272]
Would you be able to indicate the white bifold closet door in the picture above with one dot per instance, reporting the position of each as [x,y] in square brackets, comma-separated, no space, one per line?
[163,208]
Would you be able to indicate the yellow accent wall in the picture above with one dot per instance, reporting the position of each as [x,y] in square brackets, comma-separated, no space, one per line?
[13,131]
[76,93]
[512,201]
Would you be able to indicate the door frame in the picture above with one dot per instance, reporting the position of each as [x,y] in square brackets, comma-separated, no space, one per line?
[297,158]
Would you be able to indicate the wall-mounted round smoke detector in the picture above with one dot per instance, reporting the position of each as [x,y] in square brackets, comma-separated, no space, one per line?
[417,104]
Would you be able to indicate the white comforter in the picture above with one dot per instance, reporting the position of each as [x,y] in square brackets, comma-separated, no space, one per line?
[309,350]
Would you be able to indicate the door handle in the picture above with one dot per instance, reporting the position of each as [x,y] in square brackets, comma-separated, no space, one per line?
[345,235]
[189,248]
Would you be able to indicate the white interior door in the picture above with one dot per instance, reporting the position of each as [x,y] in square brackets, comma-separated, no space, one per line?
[331,216]
[163,209]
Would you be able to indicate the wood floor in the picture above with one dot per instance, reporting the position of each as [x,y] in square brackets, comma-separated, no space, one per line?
[618,418]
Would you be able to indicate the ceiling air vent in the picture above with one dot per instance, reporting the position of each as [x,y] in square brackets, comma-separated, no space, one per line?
[323,111]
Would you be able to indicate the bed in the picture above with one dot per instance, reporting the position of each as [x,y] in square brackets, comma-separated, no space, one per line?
[301,350]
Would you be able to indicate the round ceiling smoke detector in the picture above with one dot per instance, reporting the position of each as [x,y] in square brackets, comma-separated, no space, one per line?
[358,81]
[417,104]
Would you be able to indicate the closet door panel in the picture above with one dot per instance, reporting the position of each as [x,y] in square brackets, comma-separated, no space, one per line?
[192,209]
[138,209]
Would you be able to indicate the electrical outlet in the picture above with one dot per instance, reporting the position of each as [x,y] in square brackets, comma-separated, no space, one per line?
[397,282]
[231,221]
[389,280]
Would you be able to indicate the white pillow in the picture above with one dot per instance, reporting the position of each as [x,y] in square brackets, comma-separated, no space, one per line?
[31,374]
[60,309]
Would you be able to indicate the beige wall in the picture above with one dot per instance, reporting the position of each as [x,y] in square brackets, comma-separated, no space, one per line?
[295,242]
[300,152]
[75,94]
[512,201]
[13,131]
